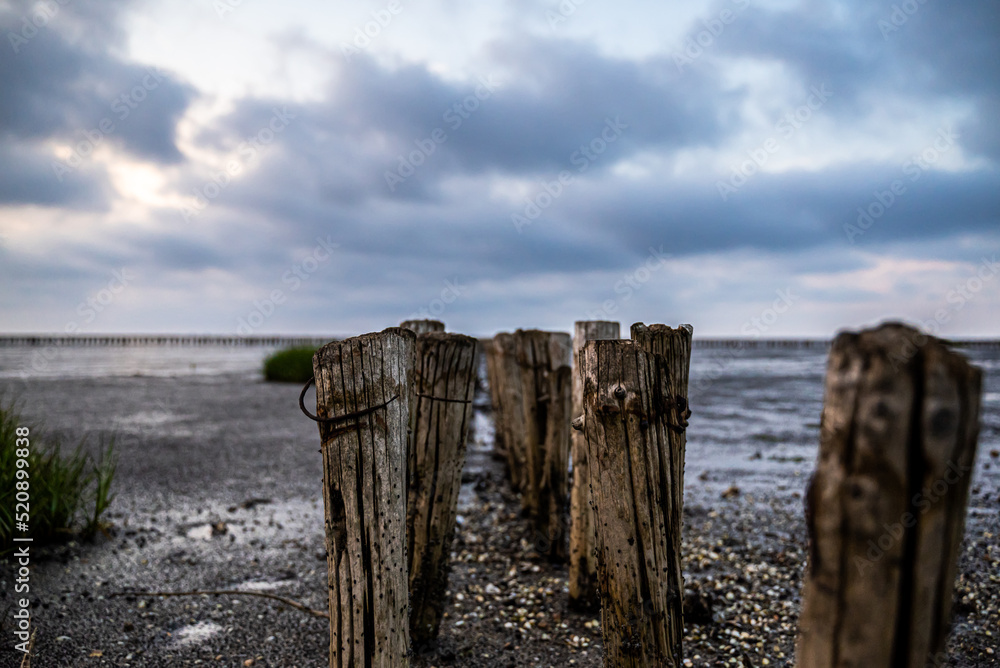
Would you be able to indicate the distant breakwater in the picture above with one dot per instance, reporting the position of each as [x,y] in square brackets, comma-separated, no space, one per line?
[123,340]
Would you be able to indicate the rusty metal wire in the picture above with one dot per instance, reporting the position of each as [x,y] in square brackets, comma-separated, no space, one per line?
[453,401]
[337,418]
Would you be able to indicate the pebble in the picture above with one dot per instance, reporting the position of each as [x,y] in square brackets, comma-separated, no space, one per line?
[507,601]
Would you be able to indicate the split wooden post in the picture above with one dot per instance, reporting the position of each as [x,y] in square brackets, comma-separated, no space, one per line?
[445,384]
[582,555]
[674,345]
[423,326]
[510,405]
[546,380]
[886,506]
[631,423]
[363,388]
[491,354]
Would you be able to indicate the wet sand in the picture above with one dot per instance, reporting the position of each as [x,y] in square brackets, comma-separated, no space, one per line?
[218,488]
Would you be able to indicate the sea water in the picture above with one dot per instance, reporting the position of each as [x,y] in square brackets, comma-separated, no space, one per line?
[754,424]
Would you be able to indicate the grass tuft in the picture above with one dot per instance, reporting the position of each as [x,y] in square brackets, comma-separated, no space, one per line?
[68,492]
[291,365]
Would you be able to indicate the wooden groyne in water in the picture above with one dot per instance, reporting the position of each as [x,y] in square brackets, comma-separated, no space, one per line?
[103,340]
[759,344]
[284,341]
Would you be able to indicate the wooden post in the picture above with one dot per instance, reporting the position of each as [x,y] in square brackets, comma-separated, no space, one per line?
[363,386]
[510,406]
[492,363]
[631,420]
[674,345]
[582,550]
[552,519]
[423,326]
[445,385]
[886,507]
[546,382]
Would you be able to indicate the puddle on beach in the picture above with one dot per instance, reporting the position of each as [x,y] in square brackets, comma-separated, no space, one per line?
[195,634]
[257,585]
[152,422]
[240,525]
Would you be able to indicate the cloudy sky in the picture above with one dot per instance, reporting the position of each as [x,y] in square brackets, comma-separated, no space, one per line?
[756,168]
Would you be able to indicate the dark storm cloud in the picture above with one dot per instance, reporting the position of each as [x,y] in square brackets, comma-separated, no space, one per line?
[817,46]
[60,81]
[956,50]
[536,105]
[91,23]
[323,174]
[319,173]
[27,177]
[872,52]
[557,95]
[790,212]
[54,88]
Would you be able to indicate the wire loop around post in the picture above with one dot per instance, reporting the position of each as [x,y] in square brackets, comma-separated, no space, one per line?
[338,418]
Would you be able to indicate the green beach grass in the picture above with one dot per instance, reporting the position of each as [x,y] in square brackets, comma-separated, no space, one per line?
[68,492]
[291,365]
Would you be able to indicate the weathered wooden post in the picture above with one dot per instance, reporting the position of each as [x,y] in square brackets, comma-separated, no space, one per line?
[631,424]
[582,555]
[363,388]
[423,326]
[492,363]
[445,385]
[886,506]
[552,519]
[674,345]
[546,380]
[510,405]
